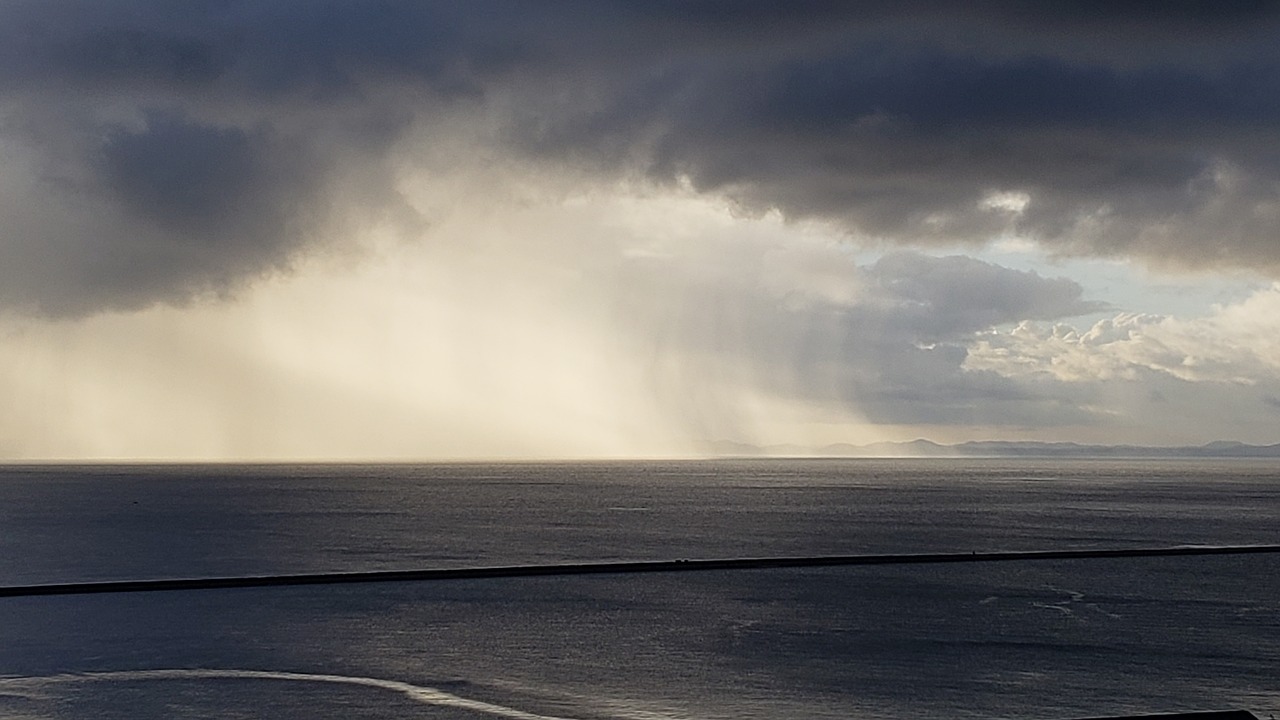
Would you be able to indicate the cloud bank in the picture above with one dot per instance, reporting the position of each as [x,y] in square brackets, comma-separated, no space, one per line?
[155,152]
[1155,378]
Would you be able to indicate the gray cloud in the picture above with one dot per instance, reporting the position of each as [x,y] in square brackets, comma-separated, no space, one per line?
[951,297]
[191,179]
[157,210]
[167,150]
[1165,162]
[888,340]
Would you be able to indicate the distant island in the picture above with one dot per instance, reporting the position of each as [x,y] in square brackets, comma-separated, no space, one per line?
[1001,448]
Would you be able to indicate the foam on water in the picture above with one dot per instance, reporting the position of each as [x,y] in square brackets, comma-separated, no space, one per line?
[417,693]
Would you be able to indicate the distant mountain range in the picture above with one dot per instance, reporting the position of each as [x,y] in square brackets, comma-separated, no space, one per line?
[998,448]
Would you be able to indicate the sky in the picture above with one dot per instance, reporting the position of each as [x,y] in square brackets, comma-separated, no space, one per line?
[395,229]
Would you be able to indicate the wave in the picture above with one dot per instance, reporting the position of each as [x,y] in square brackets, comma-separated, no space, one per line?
[417,693]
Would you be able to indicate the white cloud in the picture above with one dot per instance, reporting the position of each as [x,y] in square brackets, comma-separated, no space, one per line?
[1238,343]
[1010,201]
[1154,379]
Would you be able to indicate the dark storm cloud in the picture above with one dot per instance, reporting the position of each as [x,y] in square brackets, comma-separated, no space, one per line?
[1168,162]
[133,55]
[1145,129]
[187,177]
[135,131]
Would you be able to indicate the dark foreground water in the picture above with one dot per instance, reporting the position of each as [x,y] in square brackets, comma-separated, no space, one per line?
[1032,640]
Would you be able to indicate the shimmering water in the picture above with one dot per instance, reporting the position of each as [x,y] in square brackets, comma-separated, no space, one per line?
[1037,640]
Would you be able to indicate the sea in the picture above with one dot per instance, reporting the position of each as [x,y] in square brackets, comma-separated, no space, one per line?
[1044,639]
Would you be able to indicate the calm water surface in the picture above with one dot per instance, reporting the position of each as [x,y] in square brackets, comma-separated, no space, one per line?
[1034,640]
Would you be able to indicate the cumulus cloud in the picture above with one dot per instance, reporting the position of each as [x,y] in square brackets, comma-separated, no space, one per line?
[154,152]
[1237,344]
[1183,377]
